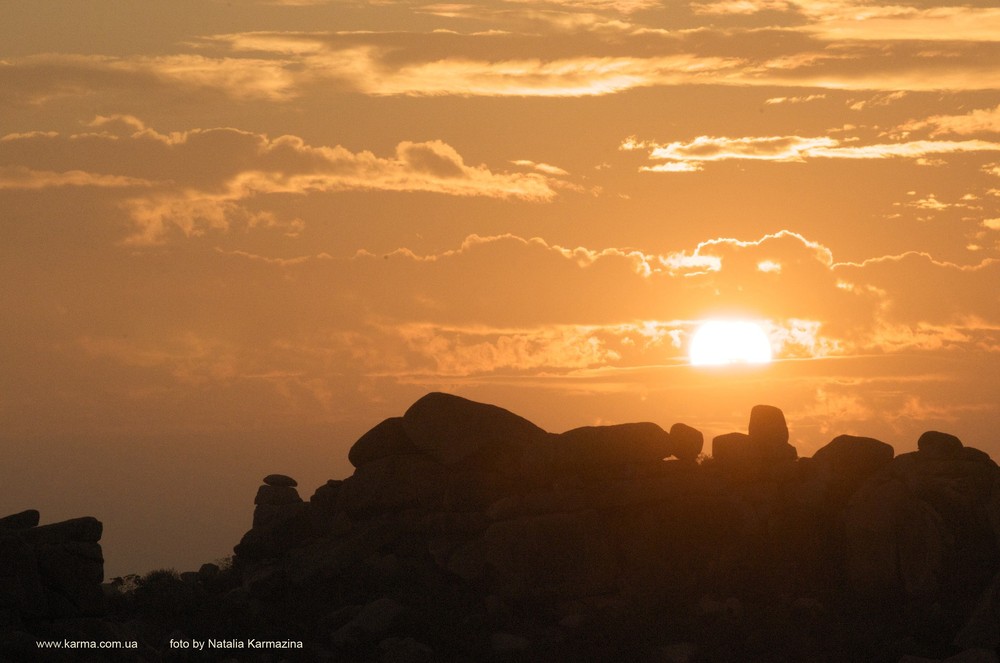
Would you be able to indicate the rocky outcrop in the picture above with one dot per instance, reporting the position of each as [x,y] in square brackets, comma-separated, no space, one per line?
[49,572]
[468,533]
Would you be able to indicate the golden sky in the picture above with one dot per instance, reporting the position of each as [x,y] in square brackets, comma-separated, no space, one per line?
[234,235]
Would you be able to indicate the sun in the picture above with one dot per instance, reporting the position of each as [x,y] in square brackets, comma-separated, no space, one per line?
[720,342]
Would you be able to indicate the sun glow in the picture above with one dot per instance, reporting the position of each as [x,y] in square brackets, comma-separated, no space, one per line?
[720,342]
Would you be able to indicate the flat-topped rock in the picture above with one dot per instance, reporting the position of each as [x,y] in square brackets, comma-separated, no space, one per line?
[82,530]
[280,480]
[854,455]
[23,520]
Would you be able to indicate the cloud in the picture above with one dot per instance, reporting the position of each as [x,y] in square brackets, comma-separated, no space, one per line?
[19,177]
[39,79]
[983,120]
[857,20]
[794,100]
[680,156]
[205,179]
[548,169]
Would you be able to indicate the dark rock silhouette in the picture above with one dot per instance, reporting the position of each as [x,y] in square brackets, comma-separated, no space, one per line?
[467,533]
[934,444]
[686,442]
[280,480]
[50,582]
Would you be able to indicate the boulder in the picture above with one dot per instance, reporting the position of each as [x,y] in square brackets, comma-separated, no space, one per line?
[86,530]
[768,427]
[388,438]
[23,520]
[937,445]
[686,441]
[601,446]
[853,456]
[281,480]
[452,429]
[765,443]
[734,449]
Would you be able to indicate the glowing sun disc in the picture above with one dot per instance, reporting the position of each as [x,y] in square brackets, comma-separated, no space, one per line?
[720,342]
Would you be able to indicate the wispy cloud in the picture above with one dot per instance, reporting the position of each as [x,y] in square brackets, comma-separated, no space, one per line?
[681,156]
[19,177]
[854,19]
[204,177]
[981,120]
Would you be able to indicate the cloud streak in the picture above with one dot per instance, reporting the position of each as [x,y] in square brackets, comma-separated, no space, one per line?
[691,156]
[201,180]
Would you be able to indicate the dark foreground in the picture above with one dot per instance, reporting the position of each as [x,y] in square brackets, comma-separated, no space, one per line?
[468,534]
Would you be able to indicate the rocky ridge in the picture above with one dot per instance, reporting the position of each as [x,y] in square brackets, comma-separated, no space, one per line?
[467,533]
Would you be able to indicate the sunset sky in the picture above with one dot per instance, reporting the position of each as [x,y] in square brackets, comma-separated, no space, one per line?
[234,235]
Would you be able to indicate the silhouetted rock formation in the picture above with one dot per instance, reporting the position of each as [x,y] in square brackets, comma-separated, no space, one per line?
[52,571]
[468,533]
[50,582]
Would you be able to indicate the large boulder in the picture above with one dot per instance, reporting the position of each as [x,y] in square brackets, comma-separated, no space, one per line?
[734,449]
[765,443]
[853,456]
[937,445]
[392,484]
[388,438]
[591,447]
[452,429]
[23,520]
[85,530]
[686,441]
[769,433]
[767,425]
[53,571]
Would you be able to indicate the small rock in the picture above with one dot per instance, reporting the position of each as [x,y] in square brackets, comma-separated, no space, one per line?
[280,480]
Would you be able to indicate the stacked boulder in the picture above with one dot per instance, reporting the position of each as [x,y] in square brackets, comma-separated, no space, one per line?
[763,445]
[49,572]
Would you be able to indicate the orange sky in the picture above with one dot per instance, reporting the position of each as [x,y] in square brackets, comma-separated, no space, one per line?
[236,235]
